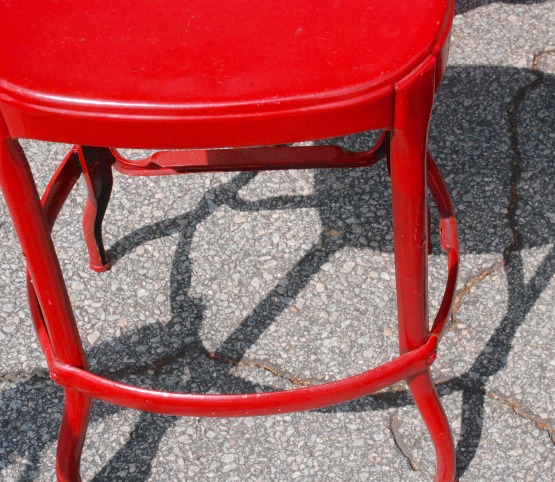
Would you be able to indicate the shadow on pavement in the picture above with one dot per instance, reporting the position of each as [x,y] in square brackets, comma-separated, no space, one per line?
[463,6]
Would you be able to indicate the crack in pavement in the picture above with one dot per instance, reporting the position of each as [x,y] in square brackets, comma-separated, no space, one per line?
[522,412]
[467,288]
[460,385]
[516,172]
[154,367]
[273,370]
[18,376]
[394,429]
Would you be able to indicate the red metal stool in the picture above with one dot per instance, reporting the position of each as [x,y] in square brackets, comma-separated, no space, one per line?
[203,75]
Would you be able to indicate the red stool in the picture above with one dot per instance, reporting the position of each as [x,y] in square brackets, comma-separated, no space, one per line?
[208,74]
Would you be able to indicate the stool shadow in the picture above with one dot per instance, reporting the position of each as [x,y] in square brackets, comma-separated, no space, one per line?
[463,6]
[455,135]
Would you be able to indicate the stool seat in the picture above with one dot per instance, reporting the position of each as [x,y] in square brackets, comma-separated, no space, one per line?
[208,59]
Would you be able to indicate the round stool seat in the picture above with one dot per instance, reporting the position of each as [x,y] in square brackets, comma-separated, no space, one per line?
[205,58]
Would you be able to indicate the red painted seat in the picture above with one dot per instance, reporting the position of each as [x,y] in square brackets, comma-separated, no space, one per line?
[201,75]
[207,72]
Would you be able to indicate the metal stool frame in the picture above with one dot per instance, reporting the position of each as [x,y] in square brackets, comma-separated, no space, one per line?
[403,112]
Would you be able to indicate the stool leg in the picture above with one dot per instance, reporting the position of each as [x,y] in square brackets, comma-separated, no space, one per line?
[77,409]
[60,186]
[425,396]
[33,230]
[96,164]
[413,104]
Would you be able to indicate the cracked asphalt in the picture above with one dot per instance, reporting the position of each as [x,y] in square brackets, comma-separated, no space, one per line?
[253,282]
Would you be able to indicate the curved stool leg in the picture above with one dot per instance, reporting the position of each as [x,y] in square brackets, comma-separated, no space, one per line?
[53,199]
[76,406]
[77,410]
[96,164]
[58,328]
[413,104]
[425,396]
[59,187]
